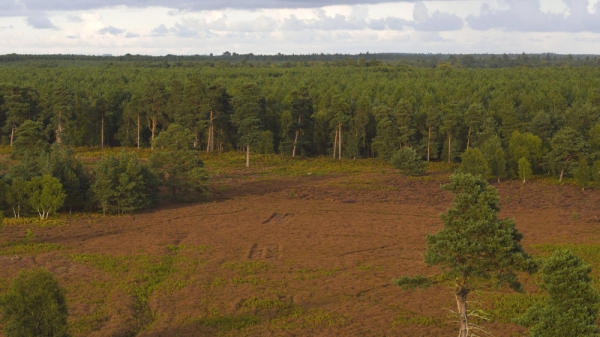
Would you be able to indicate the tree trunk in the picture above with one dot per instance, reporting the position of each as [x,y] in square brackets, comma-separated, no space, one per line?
[461,303]
[296,137]
[247,155]
[335,143]
[449,149]
[138,132]
[12,134]
[59,129]
[153,129]
[340,142]
[429,145]
[102,133]
[562,172]
[469,137]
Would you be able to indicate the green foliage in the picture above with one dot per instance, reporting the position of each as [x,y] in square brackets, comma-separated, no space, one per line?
[35,305]
[567,147]
[474,162]
[524,169]
[46,195]
[408,161]
[413,282]
[525,145]
[265,144]
[595,172]
[474,243]
[123,185]
[30,140]
[495,156]
[571,308]
[583,174]
[16,196]
[182,171]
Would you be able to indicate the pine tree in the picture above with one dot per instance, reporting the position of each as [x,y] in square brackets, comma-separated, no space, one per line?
[408,161]
[249,107]
[571,308]
[474,244]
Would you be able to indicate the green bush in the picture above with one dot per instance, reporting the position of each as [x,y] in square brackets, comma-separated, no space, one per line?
[35,305]
[474,162]
[408,161]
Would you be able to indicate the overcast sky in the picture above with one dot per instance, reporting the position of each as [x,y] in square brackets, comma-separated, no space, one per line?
[183,27]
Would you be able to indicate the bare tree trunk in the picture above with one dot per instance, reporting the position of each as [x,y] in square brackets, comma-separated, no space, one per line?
[102,133]
[461,303]
[562,172]
[12,134]
[335,143]
[340,142]
[296,138]
[469,137]
[247,155]
[429,145]
[449,149]
[153,129]
[138,132]
[59,128]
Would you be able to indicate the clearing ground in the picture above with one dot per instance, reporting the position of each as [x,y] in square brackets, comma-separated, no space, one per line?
[288,256]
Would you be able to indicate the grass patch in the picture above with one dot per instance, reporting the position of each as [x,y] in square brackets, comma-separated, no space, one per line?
[407,318]
[229,323]
[54,221]
[506,307]
[30,248]
[313,319]
[587,252]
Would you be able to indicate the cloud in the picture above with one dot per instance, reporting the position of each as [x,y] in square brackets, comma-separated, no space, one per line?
[130,35]
[111,30]
[527,16]
[161,30]
[40,22]
[434,22]
[23,7]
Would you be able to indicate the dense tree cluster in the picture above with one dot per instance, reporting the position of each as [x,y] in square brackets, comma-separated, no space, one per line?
[523,120]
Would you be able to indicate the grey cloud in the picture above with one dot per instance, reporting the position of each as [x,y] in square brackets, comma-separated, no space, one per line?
[24,7]
[161,30]
[434,22]
[131,35]
[527,16]
[74,18]
[40,22]
[111,30]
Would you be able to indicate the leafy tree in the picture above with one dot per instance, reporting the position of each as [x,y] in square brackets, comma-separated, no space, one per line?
[386,142]
[408,161]
[265,144]
[474,244]
[567,145]
[474,162]
[583,173]
[474,117]
[495,156]
[61,163]
[571,308]
[301,113]
[123,185]
[451,123]
[178,164]
[248,106]
[524,145]
[155,98]
[16,195]
[46,195]
[524,169]
[596,172]
[35,305]
[340,112]
[30,140]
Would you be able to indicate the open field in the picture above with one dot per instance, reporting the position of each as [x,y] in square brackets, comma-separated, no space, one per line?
[283,254]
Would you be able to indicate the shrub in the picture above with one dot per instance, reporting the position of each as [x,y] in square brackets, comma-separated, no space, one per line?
[473,162]
[35,305]
[408,161]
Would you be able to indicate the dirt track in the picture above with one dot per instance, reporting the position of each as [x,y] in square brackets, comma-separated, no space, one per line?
[319,252]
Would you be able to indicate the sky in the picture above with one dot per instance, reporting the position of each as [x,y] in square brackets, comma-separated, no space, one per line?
[185,27]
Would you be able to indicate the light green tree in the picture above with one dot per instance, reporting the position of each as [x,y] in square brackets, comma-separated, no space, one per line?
[408,161]
[571,308]
[524,169]
[474,162]
[596,172]
[525,145]
[567,146]
[46,195]
[495,156]
[35,305]
[474,244]
[16,195]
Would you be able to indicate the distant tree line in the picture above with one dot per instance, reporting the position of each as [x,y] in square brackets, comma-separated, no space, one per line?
[518,121]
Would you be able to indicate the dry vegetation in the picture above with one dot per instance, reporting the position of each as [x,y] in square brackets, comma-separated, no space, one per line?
[289,247]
